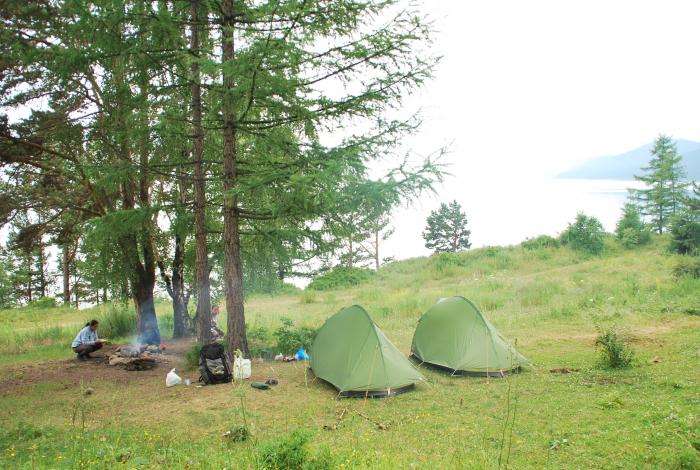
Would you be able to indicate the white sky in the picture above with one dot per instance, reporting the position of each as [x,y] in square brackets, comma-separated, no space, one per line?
[528,88]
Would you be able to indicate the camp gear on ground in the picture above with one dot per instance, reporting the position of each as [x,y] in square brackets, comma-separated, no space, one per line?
[279,357]
[241,368]
[351,353]
[454,335]
[260,386]
[271,381]
[172,378]
[214,365]
[301,355]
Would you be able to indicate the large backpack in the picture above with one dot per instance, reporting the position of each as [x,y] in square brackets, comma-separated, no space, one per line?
[214,365]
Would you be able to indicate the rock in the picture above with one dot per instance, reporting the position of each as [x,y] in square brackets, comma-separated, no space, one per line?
[89,391]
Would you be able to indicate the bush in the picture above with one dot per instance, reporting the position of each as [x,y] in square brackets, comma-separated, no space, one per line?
[43,303]
[630,229]
[290,339]
[259,341]
[192,356]
[687,268]
[542,241]
[292,453]
[586,234]
[685,235]
[442,261]
[341,277]
[614,351]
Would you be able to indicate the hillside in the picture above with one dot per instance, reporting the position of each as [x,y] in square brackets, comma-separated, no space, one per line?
[625,165]
[550,301]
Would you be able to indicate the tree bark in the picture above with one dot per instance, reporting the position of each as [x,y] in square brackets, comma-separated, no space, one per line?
[42,274]
[376,250]
[200,198]
[181,319]
[66,274]
[233,271]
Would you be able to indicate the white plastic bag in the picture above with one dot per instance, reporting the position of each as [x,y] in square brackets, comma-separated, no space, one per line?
[241,368]
[172,379]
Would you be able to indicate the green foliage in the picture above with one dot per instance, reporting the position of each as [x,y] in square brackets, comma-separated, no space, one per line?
[630,229]
[614,350]
[541,241]
[586,234]
[447,229]
[292,453]
[685,234]
[291,338]
[687,268]
[118,321]
[192,356]
[341,277]
[260,341]
[43,303]
[665,192]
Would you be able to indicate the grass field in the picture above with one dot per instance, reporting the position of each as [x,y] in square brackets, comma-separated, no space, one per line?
[551,301]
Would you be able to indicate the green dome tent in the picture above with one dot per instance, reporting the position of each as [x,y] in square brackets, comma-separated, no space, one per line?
[454,335]
[351,353]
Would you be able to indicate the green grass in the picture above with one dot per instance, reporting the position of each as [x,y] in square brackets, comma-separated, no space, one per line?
[551,301]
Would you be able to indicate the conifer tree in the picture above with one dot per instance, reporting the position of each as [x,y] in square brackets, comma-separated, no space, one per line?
[447,229]
[665,189]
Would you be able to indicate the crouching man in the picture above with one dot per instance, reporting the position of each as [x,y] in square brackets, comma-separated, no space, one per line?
[87,341]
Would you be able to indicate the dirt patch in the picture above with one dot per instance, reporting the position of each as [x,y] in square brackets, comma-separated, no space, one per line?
[72,372]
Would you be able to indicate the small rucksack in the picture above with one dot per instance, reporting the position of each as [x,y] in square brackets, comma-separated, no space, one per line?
[214,365]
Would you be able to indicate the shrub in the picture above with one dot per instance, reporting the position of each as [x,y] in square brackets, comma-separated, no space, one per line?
[192,356]
[292,453]
[630,229]
[685,235]
[614,351]
[542,241]
[290,338]
[259,341]
[43,303]
[443,261]
[687,268]
[586,234]
[341,277]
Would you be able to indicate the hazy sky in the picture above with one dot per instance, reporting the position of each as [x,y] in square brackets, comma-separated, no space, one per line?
[527,89]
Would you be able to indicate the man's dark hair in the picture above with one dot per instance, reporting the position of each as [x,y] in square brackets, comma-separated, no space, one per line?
[92,323]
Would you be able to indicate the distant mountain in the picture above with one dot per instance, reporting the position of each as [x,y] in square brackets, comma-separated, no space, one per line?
[625,165]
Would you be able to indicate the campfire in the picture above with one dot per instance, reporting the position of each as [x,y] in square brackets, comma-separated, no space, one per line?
[137,357]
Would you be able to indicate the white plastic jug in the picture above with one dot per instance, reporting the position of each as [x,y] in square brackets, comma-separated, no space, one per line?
[241,368]
[172,379]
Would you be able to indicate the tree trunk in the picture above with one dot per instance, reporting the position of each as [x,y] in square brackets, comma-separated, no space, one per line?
[350,253]
[104,295]
[203,315]
[376,249]
[42,274]
[30,274]
[146,312]
[233,271]
[66,275]
[181,320]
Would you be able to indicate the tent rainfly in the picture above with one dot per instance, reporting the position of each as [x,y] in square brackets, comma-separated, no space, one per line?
[351,353]
[454,335]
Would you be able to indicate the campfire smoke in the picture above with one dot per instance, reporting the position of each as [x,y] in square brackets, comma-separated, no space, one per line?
[137,357]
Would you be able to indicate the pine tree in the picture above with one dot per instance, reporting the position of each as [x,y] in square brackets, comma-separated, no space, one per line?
[665,191]
[447,229]
[630,229]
